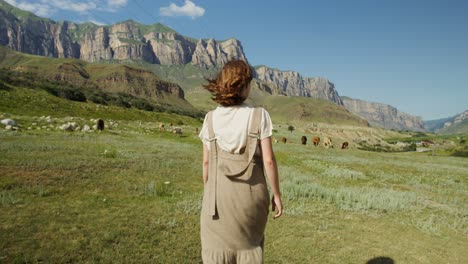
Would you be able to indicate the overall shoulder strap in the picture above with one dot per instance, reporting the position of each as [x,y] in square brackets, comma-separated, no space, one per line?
[254,130]
[254,133]
[209,120]
[212,167]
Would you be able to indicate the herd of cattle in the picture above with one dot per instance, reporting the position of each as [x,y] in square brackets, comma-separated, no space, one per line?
[327,142]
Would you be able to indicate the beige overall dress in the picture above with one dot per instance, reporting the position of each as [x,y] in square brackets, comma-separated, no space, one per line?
[235,202]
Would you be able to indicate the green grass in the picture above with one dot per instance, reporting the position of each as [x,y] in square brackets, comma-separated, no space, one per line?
[132,195]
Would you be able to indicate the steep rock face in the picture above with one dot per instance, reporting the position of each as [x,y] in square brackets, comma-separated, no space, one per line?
[170,48]
[270,89]
[33,35]
[95,46]
[322,88]
[457,119]
[383,115]
[25,32]
[293,84]
[211,53]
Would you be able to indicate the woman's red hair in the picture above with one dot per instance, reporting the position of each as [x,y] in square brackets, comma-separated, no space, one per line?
[227,88]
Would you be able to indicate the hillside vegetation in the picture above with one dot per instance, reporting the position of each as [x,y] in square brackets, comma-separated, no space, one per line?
[132,193]
[113,84]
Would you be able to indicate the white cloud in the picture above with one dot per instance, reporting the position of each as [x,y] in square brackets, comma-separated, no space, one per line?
[70,5]
[40,9]
[188,9]
[117,3]
[48,7]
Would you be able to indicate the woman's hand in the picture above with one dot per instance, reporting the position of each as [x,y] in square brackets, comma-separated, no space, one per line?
[276,204]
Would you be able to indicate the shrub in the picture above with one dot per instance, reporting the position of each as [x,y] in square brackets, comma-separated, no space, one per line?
[143,105]
[4,87]
[98,97]
[72,94]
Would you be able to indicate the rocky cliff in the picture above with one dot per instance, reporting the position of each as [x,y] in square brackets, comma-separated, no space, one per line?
[210,53]
[383,115]
[293,84]
[450,125]
[23,31]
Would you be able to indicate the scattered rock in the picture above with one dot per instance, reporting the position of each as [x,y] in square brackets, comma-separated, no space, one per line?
[9,122]
[86,128]
[69,126]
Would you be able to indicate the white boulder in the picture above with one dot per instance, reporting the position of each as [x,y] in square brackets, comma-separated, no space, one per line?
[9,122]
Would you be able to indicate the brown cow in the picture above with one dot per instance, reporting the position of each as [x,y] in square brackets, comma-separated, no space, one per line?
[304,140]
[100,124]
[316,141]
[284,140]
[196,130]
[344,145]
[161,126]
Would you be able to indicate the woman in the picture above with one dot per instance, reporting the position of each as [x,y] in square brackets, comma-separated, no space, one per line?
[237,152]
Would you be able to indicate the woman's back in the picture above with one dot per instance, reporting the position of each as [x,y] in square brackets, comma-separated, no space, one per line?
[231,127]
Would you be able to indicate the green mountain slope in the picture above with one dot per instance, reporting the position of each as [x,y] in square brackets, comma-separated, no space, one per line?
[98,79]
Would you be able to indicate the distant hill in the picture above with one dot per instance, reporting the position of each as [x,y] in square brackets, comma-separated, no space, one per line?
[282,108]
[383,115]
[434,125]
[97,80]
[457,124]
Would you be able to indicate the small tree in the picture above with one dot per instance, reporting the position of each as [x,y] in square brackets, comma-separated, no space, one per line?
[290,129]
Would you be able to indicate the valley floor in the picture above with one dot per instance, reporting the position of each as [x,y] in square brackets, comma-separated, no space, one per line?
[134,197]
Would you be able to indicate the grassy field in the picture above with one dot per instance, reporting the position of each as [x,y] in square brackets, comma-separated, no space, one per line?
[133,196]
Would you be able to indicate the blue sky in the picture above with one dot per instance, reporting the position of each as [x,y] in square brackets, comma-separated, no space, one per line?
[411,54]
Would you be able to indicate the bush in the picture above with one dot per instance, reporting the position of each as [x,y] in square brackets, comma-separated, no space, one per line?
[72,94]
[4,87]
[143,105]
[98,97]
[123,102]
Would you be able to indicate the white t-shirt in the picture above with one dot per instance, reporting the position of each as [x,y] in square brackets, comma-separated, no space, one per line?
[231,127]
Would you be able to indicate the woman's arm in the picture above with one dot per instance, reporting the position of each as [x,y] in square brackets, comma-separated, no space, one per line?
[271,170]
[205,163]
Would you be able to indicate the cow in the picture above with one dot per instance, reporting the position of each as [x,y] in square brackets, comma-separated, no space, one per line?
[304,140]
[196,130]
[100,124]
[275,140]
[161,126]
[327,142]
[316,141]
[177,131]
[344,145]
[284,140]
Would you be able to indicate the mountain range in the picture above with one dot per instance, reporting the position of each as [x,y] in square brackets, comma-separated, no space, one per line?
[450,125]
[161,50]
